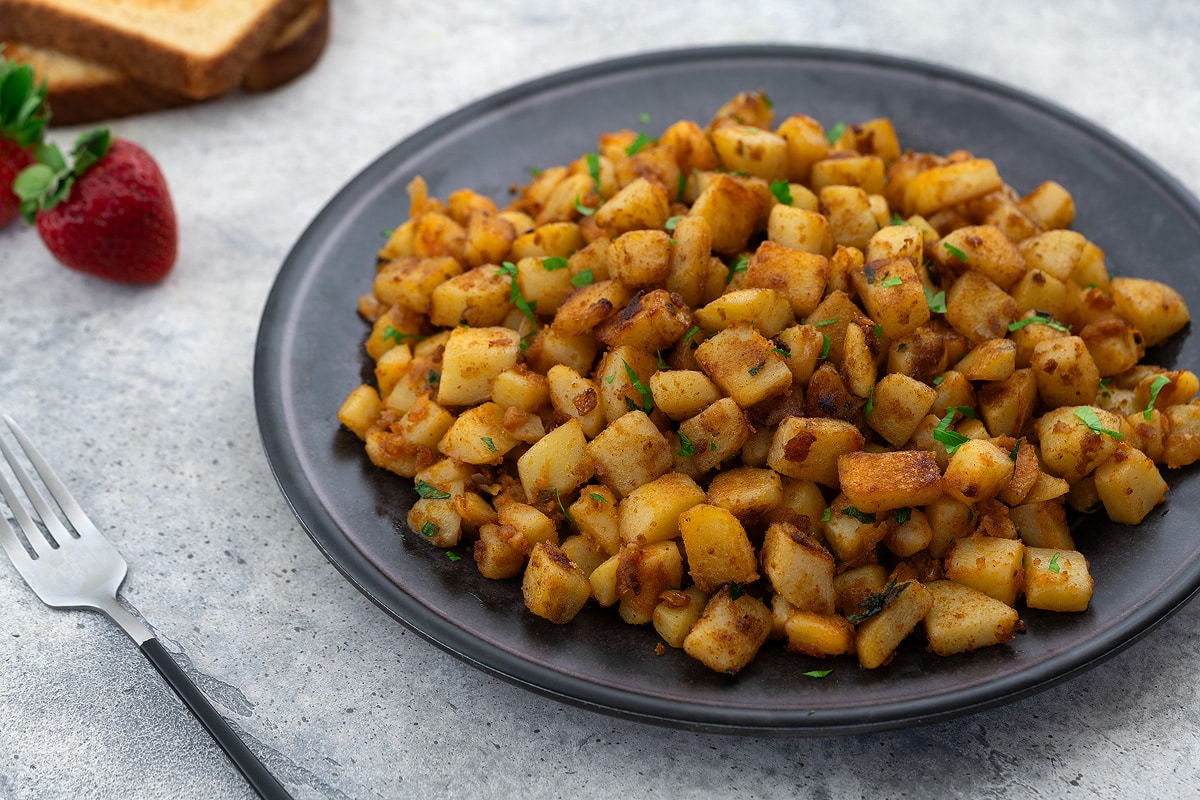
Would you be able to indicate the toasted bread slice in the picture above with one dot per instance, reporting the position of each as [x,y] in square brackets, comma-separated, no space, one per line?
[196,48]
[82,91]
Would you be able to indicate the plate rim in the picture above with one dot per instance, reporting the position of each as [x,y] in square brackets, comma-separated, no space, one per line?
[286,464]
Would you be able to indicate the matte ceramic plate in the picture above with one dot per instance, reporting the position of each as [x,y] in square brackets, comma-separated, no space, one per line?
[309,355]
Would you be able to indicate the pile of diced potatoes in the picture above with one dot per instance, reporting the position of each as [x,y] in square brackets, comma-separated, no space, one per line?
[756,381]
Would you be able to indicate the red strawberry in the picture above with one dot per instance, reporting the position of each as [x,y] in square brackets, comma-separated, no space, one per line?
[23,115]
[109,215]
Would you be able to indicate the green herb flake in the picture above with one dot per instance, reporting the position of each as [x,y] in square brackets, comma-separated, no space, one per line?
[599,498]
[593,167]
[825,347]
[902,515]
[1053,565]
[583,278]
[835,133]
[692,331]
[782,191]
[487,440]
[515,297]
[428,491]
[936,302]
[827,514]
[861,516]
[1089,417]
[736,591]
[894,280]
[553,263]
[824,322]
[641,388]
[1038,319]
[870,402]
[563,508]
[757,369]
[686,447]
[966,411]
[680,187]
[672,222]
[587,211]
[938,380]
[637,144]
[453,556]
[781,351]
[738,266]
[951,440]
[399,336]
[954,251]
[877,602]
[1015,451]
[429,529]
[434,376]
[818,673]
[644,117]
[1159,382]
[1106,386]
[897,219]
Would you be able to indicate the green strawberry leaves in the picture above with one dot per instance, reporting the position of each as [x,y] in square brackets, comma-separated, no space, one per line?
[47,183]
[23,109]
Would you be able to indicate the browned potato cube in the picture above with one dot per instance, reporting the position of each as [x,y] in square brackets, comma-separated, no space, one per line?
[806,144]
[892,294]
[730,631]
[747,492]
[693,150]
[863,172]
[1049,205]
[949,185]
[731,211]
[742,148]
[991,565]
[651,511]
[874,482]
[978,308]
[744,364]
[878,636]
[472,359]
[799,568]
[717,547]
[559,239]
[691,254]
[1065,371]
[1182,445]
[978,471]
[963,619]
[575,397]
[477,297]
[360,410]
[899,404]
[1129,485]
[800,229]
[682,393]
[848,208]
[556,463]
[594,513]
[630,452]
[716,433]
[983,249]
[641,258]
[992,360]
[809,448]
[1043,524]
[1007,405]
[767,310]
[1154,308]
[478,436]
[818,635]
[638,205]
[677,612]
[643,574]
[1057,580]
[652,321]
[553,587]
[799,276]
[500,551]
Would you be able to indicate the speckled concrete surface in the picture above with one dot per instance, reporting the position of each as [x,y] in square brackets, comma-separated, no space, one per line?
[143,398]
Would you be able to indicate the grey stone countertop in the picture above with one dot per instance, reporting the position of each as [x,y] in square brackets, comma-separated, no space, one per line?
[142,397]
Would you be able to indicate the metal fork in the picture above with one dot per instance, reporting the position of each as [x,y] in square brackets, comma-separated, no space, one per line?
[79,568]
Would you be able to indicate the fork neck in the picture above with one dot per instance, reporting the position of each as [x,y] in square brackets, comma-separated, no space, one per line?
[133,626]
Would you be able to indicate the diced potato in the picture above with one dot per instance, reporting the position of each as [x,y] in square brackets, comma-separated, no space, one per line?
[560,238]
[693,150]
[1070,447]
[1182,445]
[744,364]
[472,360]
[818,635]
[963,619]
[677,612]
[911,536]
[731,211]
[1065,371]
[652,511]
[478,297]
[478,436]
[875,482]
[639,204]
[809,448]
[716,433]
[630,452]
[991,565]
[1043,524]
[768,310]
[799,568]
[949,185]
[1154,308]
[951,520]
[553,587]
[1129,485]
[1007,405]
[878,636]
[799,276]
[682,393]
[643,574]
[717,547]
[806,145]
[983,249]
[652,321]
[742,148]
[992,360]
[977,472]
[853,588]
[747,492]
[360,410]
[520,387]
[558,463]
[848,209]
[589,306]
[851,533]
[1057,580]
[892,294]
[800,229]
[500,552]
[603,581]
[730,632]
[979,309]
[1050,205]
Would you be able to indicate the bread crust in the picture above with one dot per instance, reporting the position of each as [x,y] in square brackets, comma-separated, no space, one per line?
[196,48]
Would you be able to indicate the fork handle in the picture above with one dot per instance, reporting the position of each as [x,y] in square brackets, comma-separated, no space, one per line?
[253,770]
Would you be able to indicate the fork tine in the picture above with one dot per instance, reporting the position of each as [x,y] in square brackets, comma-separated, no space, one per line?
[58,490]
[38,540]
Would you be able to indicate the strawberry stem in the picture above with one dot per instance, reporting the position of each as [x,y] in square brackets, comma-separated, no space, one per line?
[23,109]
[45,184]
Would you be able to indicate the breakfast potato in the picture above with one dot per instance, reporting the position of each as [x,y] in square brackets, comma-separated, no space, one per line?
[731,211]
[639,205]
[806,145]
[1129,485]
[948,185]
[742,148]
[677,612]
[716,433]
[1050,205]
[983,249]
[360,410]
[682,393]
[962,619]
[848,208]
[799,276]
[1154,308]
[643,573]
[809,448]
[801,229]
[767,310]
[744,363]
[472,359]
[891,293]
[1065,371]
[1057,580]
[554,588]
[1043,524]
[875,482]
[877,638]
[651,321]
[651,512]
[717,547]
[548,240]
[747,492]
[818,635]
[992,565]
[630,452]
[977,471]
[1077,439]
[558,463]
[799,568]
[979,309]
[730,631]
[478,297]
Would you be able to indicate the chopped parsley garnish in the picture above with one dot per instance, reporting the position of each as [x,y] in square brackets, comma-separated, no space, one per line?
[782,191]
[1106,387]
[861,516]
[563,509]
[429,529]
[938,380]
[430,492]
[514,296]
[736,591]
[641,388]
[954,251]
[453,556]
[583,278]
[1157,386]
[487,440]
[902,515]
[637,144]
[398,336]
[1039,320]
[1089,417]
[672,222]
[680,187]
[593,167]
[951,440]
[818,673]
[897,219]
[835,133]
[870,402]
[757,369]
[894,280]
[827,514]
[1053,565]
[692,331]
[825,347]
[781,351]
[878,601]
[599,498]
[552,263]
[582,209]
[686,447]
[824,322]
[644,117]
[738,266]
[937,302]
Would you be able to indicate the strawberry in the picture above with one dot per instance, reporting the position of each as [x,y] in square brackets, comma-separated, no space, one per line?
[109,215]
[23,116]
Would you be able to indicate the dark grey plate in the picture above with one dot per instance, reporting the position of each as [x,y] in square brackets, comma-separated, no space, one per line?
[309,355]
